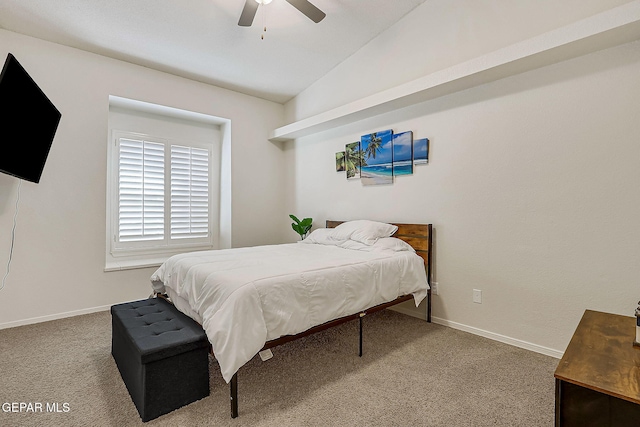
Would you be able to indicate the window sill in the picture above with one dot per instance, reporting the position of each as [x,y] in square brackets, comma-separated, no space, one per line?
[153,258]
[134,264]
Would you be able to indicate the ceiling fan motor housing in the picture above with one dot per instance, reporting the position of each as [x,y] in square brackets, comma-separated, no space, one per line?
[304,6]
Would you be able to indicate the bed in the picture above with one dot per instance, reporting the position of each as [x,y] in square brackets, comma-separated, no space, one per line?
[255,298]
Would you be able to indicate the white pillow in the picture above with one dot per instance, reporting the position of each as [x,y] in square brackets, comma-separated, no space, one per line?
[363,231]
[321,236]
[356,246]
[383,244]
[393,244]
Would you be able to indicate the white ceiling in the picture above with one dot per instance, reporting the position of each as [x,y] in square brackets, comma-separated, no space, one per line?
[200,39]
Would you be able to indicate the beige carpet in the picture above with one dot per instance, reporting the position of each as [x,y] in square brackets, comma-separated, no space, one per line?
[411,374]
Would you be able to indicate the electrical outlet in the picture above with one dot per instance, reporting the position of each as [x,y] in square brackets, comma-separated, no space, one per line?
[434,288]
[477,296]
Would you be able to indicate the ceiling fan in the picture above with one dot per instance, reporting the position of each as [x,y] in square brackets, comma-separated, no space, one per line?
[251,7]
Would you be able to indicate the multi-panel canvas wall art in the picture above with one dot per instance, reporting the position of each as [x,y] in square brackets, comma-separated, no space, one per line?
[340,161]
[377,158]
[352,160]
[421,151]
[380,156]
[403,153]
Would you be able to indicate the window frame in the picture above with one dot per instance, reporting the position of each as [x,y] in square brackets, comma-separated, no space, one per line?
[138,254]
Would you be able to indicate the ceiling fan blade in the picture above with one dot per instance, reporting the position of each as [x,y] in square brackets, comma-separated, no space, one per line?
[248,13]
[312,12]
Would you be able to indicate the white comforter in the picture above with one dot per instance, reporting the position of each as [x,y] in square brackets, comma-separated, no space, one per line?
[246,296]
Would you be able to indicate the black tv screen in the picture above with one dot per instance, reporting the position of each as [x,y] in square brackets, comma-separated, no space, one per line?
[29,122]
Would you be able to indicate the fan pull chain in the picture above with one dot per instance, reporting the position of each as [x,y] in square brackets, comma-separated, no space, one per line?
[264,22]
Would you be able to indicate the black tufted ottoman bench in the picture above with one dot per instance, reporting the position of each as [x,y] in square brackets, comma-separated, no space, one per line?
[162,356]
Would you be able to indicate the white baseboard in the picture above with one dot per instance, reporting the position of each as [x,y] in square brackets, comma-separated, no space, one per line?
[420,314]
[41,319]
[497,337]
[411,311]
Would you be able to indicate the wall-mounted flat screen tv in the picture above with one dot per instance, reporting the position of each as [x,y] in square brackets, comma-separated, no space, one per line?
[29,123]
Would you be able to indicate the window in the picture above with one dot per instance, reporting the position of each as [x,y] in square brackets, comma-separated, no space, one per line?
[141,197]
[189,192]
[168,183]
[163,193]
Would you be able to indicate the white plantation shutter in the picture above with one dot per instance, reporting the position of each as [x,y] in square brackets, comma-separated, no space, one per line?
[163,195]
[189,192]
[141,191]
[164,184]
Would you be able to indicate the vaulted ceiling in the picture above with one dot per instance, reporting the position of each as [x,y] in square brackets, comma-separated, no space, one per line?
[201,39]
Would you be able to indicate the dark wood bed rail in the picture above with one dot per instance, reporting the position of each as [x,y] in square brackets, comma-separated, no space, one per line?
[335,322]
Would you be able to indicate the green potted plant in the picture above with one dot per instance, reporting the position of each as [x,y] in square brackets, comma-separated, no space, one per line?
[301,227]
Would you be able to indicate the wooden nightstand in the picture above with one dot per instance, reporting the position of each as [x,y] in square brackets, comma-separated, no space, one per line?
[598,378]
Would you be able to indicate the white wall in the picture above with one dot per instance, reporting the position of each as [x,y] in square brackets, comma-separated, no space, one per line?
[58,259]
[532,188]
[434,36]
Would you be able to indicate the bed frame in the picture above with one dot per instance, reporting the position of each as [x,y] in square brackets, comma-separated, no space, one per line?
[419,236]
[416,235]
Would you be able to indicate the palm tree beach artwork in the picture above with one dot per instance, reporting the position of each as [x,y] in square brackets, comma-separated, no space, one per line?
[421,151]
[403,153]
[352,160]
[340,161]
[377,158]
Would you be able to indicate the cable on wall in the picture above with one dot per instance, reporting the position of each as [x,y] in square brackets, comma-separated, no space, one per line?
[13,238]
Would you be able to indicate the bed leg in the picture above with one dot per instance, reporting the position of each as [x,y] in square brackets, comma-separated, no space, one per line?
[360,319]
[233,388]
[429,305]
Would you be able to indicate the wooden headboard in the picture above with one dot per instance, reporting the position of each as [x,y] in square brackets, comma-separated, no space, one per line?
[416,235]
